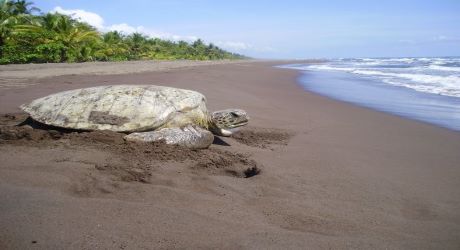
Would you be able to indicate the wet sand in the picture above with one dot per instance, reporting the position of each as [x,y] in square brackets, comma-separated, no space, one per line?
[307,173]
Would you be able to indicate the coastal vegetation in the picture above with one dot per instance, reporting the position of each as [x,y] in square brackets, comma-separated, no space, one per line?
[29,36]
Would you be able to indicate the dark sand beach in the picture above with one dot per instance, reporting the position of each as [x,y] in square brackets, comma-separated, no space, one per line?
[322,174]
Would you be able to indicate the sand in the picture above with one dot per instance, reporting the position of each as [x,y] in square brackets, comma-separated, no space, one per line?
[307,173]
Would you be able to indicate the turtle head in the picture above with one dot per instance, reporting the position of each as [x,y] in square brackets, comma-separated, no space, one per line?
[225,120]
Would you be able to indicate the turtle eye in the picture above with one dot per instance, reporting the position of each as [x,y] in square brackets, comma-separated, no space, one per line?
[234,114]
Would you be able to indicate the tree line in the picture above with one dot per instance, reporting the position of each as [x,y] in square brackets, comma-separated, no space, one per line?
[29,36]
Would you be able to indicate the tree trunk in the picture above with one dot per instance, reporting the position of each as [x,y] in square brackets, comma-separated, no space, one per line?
[2,42]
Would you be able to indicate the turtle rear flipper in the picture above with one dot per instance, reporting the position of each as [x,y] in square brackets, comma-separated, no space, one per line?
[190,136]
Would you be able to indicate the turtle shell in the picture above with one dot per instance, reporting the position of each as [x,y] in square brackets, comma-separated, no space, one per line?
[122,108]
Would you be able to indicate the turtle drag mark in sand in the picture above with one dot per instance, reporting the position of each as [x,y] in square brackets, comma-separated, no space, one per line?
[122,160]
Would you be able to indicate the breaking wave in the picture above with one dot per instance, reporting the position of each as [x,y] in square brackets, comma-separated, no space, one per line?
[431,75]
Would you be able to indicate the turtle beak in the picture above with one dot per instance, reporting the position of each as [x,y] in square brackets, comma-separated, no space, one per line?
[241,118]
[240,123]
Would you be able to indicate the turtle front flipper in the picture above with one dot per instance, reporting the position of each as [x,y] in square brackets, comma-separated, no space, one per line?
[190,136]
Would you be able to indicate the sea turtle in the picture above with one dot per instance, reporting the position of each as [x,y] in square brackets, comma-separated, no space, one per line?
[146,112]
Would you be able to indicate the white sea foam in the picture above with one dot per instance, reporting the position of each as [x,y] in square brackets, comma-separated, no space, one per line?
[369,72]
[431,75]
[440,90]
[370,63]
[443,68]
[367,59]
[420,78]
[362,81]
[404,60]
[443,85]
[326,67]
[424,59]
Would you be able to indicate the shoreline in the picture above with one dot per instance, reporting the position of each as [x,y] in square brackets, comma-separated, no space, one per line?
[345,177]
[376,94]
[398,111]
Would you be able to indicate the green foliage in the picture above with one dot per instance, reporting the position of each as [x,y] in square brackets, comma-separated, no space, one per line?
[53,37]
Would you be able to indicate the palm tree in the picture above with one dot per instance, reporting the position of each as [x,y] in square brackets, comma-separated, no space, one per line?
[137,44]
[113,47]
[6,20]
[12,13]
[62,29]
[23,7]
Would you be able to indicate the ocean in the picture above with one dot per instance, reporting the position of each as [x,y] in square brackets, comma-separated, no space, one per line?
[424,89]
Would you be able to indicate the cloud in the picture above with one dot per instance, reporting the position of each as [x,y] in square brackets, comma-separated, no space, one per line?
[407,41]
[82,15]
[442,38]
[123,27]
[438,39]
[98,22]
[241,46]
[234,45]
[128,29]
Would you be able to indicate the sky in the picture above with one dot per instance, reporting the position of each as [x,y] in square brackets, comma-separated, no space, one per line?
[285,29]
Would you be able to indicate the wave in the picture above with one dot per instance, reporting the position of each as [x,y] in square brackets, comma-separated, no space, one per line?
[431,75]
[439,90]
[407,61]
[444,68]
[388,60]
[326,67]
[419,78]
